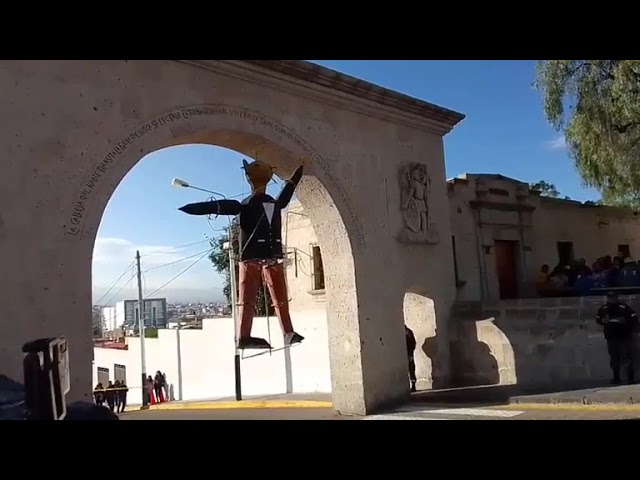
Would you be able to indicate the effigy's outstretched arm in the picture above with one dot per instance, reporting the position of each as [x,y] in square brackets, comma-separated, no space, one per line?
[216,207]
[290,186]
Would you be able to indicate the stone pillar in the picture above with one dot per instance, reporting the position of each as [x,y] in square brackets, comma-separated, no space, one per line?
[366,341]
[49,296]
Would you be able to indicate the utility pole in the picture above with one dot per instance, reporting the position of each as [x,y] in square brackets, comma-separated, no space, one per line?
[234,301]
[143,366]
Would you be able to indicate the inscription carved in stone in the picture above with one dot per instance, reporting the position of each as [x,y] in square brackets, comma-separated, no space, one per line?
[415,185]
[176,119]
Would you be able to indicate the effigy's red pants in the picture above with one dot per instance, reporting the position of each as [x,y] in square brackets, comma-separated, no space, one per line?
[251,274]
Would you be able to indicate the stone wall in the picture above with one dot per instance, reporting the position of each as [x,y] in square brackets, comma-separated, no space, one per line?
[535,343]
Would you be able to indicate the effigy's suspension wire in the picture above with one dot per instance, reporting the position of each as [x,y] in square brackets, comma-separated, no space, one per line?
[269,351]
[266,309]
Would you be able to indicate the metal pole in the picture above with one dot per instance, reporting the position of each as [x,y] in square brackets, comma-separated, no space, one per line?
[179,344]
[143,366]
[234,303]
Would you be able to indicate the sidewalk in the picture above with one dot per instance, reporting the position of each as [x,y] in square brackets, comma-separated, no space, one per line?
[250,402]
[624,396]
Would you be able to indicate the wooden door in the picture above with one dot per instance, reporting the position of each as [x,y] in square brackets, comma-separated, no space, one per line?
[506,253]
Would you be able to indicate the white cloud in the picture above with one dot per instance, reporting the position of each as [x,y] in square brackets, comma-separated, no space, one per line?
[118,250]
[112,256]
[559,143]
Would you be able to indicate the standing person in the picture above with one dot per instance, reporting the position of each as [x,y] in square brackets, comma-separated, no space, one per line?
[122,396]
[165,387]
[619,321]
[98,394]
[158,387]
[150,391]
[110,396]
[411,348]
[116,387]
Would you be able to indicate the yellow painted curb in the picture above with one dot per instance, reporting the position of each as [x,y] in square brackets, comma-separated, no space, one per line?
[243,404]
[600,407]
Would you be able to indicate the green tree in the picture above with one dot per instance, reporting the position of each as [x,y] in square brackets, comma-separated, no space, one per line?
[220,259]
[150,332]
[596,104]
[545,189]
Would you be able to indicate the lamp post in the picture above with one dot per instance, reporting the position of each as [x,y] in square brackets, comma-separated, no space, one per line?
[143,365]
[228,246]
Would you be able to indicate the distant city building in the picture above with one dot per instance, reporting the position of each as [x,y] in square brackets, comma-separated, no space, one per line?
[110,319]
[155,313]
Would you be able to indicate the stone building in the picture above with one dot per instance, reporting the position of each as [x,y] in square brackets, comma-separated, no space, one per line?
[502,232]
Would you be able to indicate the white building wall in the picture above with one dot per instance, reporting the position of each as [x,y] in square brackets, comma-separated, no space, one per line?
[299,237]
[108,318]
[203,367]
[120,317]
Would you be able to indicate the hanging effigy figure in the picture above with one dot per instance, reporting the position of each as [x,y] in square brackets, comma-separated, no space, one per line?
[260,243]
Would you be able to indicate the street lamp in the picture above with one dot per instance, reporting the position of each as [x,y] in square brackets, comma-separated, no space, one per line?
[227,246]
[179,183]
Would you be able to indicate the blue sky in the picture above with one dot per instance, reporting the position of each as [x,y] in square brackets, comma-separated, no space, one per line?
[505,132]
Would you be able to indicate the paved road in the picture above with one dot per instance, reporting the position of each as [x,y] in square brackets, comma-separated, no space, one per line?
[408,413]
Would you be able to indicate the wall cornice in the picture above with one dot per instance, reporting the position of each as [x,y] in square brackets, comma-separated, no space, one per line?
[305,79]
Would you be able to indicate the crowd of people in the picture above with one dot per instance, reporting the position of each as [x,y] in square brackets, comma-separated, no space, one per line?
[114,395]
[157,389]
[578,278]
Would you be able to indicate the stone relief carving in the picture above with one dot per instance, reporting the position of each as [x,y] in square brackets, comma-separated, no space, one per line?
[415,185]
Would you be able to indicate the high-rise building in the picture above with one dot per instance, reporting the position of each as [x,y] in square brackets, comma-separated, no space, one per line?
[155,313]
[110,320]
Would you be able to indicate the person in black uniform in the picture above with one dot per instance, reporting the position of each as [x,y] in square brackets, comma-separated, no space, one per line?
[98,394]
[116,387]
[122,397]
[260,246]
[619,321]
[110,396]
[411,348]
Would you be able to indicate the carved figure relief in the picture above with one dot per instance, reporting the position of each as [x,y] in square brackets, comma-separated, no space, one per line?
[415,185]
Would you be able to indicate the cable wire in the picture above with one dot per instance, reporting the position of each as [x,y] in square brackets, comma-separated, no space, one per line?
[128,282]
[174,278]
[115,283]
[173,249]
[177,261]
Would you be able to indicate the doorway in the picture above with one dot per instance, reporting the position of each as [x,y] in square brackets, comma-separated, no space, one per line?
[565,253]
[506,253]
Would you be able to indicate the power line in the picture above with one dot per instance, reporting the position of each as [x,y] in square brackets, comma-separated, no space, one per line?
[114,283]
[174,278]
[173,249]
[177,261]
[127,283]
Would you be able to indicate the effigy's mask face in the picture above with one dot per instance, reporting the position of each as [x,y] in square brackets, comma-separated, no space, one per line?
[258,174]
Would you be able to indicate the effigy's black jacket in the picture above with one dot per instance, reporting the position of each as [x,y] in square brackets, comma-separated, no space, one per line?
[258,239]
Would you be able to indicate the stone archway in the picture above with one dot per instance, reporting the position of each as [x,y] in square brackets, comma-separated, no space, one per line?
[252,134]
[74,129]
